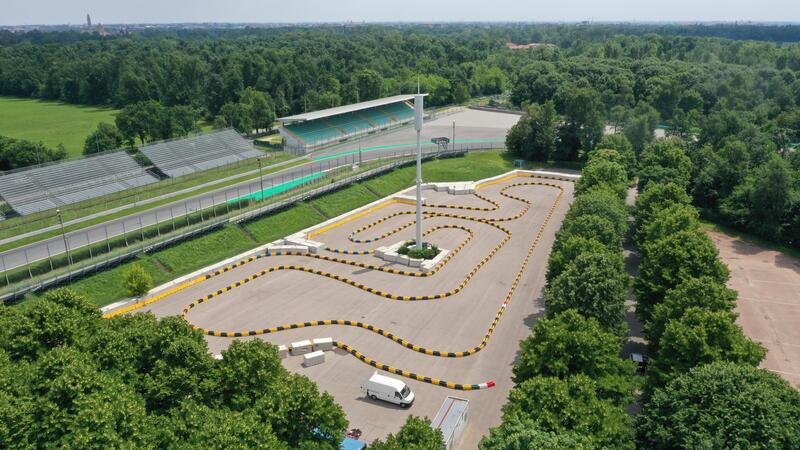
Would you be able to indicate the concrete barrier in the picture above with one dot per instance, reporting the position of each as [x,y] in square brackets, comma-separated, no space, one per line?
[313,358]
[282,351]
[323,344]
[301,347]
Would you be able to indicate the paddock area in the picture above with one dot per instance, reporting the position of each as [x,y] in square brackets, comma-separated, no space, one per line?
[453,329]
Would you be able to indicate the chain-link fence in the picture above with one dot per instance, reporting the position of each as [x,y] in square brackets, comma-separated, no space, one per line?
[87,251]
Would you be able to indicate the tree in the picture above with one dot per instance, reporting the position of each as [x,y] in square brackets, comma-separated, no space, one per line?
[534,136]
[570,247]
[570,405]
[16,153]
[238,116]
[415,434]
[722,405]
[584,122]
[589,226]
[262,111]
[137,281]
[640,126]
[698,337]
[623,147]
[602,203]
[524,435]
[670,261]
[655,197]
[772,196]
[594,287]
[665,161]
[569,344]
[703,292]
[143,120]
[603,174]
[672,219]
[105,137]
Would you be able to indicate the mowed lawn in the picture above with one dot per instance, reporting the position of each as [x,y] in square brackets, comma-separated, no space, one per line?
[51,122]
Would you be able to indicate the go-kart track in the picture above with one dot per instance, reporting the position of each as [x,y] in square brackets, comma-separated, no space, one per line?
[453,330]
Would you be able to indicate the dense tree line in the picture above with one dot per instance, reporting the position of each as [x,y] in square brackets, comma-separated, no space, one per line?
[572,386]
[71,379]
[16,153]
[702,384]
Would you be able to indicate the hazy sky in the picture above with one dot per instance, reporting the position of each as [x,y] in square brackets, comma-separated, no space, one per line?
[21,12]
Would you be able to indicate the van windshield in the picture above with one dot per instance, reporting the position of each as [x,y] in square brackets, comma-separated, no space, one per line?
[404,393]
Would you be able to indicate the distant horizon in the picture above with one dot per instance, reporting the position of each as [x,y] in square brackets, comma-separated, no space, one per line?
[159,12]
[420,22]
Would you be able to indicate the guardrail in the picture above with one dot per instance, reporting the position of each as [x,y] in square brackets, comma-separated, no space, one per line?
[16,290]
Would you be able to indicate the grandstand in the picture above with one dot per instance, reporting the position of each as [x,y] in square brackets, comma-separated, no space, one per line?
[304,132]
[54,185]
[184,156]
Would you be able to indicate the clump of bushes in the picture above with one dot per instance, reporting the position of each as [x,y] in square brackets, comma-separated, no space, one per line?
[428,251]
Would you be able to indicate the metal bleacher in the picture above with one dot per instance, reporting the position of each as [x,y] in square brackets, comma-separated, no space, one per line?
[58,184]
[184,156]
[336,126]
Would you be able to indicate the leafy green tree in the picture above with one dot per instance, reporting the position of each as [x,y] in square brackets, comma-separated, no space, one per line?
[589,226]
[665,161]
[193,425]
[570,247]
[238,116]
[698,337]
[655,197]
[620,144]
[594,287]
[569,344]
[603,203]
[668,262]
[534,136]
[262,111]
[672,219]
[570,405]
[703,292]
[584,122]
[141,120]
[415,434]
[605,175]
[524,435]
[105,137]
[772,196]
[137,281]
[722,405]
[16,153]
[640,126]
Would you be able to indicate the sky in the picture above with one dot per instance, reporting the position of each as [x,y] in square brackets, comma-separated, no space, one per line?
[28,12]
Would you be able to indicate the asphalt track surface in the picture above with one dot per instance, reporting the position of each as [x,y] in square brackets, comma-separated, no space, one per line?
[448,333]
[471,126]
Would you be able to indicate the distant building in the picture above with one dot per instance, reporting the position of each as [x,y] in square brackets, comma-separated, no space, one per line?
[514,46]
[88,21]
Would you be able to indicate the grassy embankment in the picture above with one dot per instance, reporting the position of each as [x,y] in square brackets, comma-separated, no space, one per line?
[106,287]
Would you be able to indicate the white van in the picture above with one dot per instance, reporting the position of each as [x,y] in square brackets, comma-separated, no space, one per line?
[380,387]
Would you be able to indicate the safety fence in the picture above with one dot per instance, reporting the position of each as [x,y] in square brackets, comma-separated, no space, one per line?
[90,256]
[132,198]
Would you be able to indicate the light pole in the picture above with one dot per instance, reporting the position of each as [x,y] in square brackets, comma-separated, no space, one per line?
[261,179]
[418,126]
[64,236]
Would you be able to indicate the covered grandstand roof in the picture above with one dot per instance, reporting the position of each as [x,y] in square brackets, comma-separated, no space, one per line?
[58,184]
[347,108]
[184,156]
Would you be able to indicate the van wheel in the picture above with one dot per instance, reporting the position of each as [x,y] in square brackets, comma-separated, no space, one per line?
[404,405]
[373,397]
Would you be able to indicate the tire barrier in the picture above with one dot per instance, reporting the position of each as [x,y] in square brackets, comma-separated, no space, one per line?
[388,335]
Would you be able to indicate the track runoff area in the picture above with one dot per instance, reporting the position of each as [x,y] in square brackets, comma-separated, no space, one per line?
[430,327]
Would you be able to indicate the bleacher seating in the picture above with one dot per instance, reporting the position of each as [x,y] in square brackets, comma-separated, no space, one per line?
[58,184]
[341,126]
[184,156]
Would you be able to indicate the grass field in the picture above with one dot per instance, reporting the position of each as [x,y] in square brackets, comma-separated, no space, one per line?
[106,287]
[51,122]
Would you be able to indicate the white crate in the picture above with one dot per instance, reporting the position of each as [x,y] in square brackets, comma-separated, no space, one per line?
[313,358]
[323,344]
[282,351]
[301,347]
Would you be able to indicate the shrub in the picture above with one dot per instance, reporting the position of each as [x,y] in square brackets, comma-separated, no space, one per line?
[137,281]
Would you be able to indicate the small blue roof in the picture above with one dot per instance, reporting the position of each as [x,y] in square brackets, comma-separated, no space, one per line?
[352,444]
